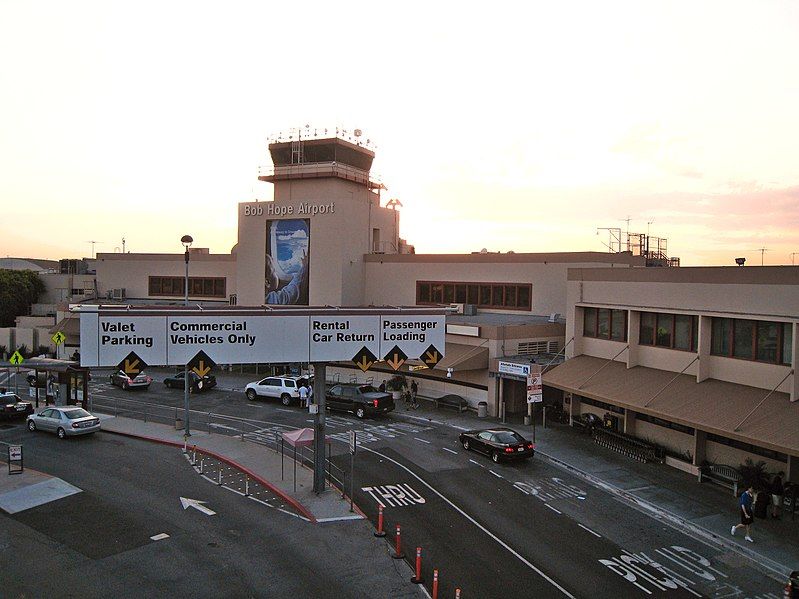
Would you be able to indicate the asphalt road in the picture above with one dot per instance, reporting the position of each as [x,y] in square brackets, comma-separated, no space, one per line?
[529,529]
[98,543]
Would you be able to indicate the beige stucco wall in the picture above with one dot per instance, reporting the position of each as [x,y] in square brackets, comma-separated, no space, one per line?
[338,239]
[59,287]
[724,454]
[132,271]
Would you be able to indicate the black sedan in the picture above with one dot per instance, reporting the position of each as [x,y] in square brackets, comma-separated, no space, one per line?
[499,443]
[197,383]
[139,381]
[11,406]
[361,400]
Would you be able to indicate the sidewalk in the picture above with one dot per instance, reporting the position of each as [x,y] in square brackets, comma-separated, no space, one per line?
[705,509]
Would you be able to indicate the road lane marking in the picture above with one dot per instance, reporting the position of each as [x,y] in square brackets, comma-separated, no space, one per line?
[197,505]
[496,474]
[159,537]
[477,463]
[450,450]
[589,530]
[422,440]
[502,543]
[340,518]
[553,509]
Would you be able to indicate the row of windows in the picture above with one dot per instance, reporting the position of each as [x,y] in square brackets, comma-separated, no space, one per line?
[198,286]
[761,451]
[757,340]
[675,331]
[665,423]
[604,323]
[507,296]
[600,404]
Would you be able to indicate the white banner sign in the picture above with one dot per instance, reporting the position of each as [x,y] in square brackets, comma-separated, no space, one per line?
[513,368]
[163,340]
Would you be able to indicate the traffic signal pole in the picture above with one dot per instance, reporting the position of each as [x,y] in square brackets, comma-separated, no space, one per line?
[319,427]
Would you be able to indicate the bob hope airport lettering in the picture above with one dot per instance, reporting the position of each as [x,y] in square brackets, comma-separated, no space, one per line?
[338,337]
[202,327]
[304,209]
[408,327]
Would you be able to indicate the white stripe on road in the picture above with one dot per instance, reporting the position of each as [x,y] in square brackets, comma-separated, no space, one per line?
[450,450]
[553,509]
[340,518]
[477,524]
[422,440]
[477,463]
[285,410]
[159,537]
[589,530]
[496,474]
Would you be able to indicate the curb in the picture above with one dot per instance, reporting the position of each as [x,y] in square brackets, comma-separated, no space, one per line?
[287,498]
[774,569]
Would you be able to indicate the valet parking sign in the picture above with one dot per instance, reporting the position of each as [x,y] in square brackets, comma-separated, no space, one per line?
[327,336]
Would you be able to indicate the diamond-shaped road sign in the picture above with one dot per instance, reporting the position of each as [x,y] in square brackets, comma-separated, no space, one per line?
[16,358]
[364,359]
[431,356]
[132,365]
[395,357]
[201,364]
[58,338]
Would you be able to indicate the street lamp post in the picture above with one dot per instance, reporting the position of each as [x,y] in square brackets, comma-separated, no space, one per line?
[186,240]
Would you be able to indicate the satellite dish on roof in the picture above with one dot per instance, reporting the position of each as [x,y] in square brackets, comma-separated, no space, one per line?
[484,251]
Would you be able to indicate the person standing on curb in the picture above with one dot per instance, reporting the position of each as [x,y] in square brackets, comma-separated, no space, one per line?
[747,517]
[414,391]
[777,491]
[303,395]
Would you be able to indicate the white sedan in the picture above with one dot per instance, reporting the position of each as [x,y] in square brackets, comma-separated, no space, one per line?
[65,421]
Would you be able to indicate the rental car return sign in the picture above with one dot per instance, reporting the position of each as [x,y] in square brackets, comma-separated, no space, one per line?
[239,335]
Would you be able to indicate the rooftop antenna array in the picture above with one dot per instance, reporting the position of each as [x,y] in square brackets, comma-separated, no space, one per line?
[762,252]
[93,244]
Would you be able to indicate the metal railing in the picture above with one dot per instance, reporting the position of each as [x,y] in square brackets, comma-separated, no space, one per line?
[321,169]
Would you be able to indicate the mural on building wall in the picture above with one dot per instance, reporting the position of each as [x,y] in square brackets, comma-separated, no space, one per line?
[287,254]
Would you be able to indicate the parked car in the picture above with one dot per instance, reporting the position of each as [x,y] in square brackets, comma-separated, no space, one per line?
[140,381]
[588,421]
[65,421]
[361,400]
[197,383]
[499,443]
[11,406]
[284,388]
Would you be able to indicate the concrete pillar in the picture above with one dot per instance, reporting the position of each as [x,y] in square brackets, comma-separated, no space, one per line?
[629,421]
[794,363]
[320,375]
[703,371]
[700,446]
[633,329]
[500,398]
[574,408]
[575,329]
[792,470]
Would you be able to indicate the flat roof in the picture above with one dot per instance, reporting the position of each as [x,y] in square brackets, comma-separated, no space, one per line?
[718,275]
[497,320]
[623,259]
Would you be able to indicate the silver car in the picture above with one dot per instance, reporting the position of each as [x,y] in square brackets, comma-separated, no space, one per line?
[65,421]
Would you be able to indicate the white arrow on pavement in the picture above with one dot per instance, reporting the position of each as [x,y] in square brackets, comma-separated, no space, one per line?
[196,504]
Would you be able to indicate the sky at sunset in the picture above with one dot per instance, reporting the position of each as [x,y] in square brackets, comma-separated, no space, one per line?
[505,126]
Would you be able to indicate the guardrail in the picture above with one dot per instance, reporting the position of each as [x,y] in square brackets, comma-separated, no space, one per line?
[631,447]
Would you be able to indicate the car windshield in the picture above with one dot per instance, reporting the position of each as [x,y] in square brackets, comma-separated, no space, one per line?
[509,437]
[366,389]
[75,414]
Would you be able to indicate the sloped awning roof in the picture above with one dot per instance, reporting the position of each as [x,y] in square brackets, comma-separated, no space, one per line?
[712,406]
[299,437]
[464,357]
[70,326]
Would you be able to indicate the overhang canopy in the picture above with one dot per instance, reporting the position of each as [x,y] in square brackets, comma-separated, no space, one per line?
[713,406]
[464,357]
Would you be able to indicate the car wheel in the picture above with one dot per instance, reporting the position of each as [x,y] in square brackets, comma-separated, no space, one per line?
[111,379]
[495,457]
[466,443]
[125,386]
[285,399]
[31,425]
[167,384]
[251,394]
[62,434]
[360,413]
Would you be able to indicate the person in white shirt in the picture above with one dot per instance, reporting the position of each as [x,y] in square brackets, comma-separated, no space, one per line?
[303,395]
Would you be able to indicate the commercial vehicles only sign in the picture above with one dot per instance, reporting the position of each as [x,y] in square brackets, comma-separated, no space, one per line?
[171,337]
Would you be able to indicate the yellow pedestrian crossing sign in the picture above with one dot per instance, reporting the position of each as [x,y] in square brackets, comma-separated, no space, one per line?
[16,358]
[58,338]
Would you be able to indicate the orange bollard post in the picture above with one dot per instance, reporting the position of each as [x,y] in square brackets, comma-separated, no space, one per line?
[435,584]
[380,532]
[418,578]
[398,554]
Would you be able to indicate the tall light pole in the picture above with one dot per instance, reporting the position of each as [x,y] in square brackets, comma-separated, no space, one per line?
[186,240]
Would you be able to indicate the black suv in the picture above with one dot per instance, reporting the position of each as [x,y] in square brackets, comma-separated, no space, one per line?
[361,400]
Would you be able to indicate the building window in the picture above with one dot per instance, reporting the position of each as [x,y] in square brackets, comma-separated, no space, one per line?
[761,451]
[504,296]
[604,323]
[599,404]
[758,340]
[664,423]
[673,331]
[198,286]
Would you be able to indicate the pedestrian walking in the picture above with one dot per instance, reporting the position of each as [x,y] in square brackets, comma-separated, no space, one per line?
[414,391]
[777,491]
[382,387]
[747,517]
[303,395]
[310,392]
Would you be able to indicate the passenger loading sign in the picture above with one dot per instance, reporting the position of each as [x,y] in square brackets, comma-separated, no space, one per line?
[174,336]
